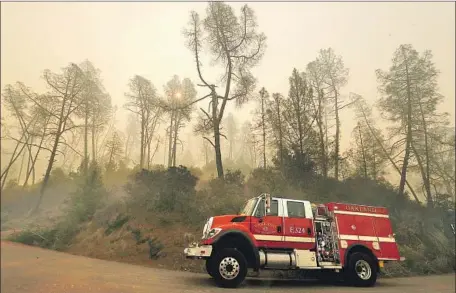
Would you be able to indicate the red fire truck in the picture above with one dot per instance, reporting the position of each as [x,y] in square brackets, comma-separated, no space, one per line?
[286,234]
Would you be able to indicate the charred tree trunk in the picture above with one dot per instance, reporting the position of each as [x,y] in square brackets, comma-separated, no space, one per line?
[14,156]
[279,127]
[13,159]
[94,144]
[29,164]
[141,156]
[427,185]
[49,169]
[323,155]
[389,157]
[409,131]
[170,141]
[60,130]
[374,166]
[337,143]
[363,152]
[21,167]
[86,138]
[217,145]
[32,167]
[426,153]
[147,140]
[301,132]
[148,154]
[218,152]
[263,124]
[176,130]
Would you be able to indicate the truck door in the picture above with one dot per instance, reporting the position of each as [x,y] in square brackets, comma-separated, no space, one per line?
[365,230]
[299,231]
[268,228]
[384,232]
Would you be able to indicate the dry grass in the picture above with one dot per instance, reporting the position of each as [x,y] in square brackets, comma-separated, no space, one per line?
[121,245]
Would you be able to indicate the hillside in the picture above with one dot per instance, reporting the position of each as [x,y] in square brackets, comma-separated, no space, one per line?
[151,219]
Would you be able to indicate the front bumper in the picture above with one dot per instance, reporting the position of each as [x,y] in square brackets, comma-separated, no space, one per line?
[195,251]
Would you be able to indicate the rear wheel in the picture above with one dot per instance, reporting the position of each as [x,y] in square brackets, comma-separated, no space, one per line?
[228,268]
[361,270]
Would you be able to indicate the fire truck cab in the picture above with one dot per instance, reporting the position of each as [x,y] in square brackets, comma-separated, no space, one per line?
[286,234]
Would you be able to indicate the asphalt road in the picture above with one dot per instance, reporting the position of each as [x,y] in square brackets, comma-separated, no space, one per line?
[27,269]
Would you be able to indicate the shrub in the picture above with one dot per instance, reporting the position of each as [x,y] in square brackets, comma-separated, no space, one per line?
[165,190]
[12,184]
[56,238]
[88,196]
[155,247]
[118,222]
[58,176]
[234,177]
[82,206]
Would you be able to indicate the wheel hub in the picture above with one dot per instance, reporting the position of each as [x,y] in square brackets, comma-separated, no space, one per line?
[363,269]
[229,268]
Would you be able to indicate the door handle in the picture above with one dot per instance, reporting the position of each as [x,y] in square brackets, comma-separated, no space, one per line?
[260,220]
[279,229]
[309,231]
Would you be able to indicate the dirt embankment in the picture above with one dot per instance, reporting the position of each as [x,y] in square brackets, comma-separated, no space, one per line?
[137,243]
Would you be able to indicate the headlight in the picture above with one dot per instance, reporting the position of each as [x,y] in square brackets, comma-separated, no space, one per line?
[204,230]
[207,227]
[213,232]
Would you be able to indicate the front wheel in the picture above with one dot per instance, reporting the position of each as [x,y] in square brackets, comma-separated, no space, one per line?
[210,267]
[361,270]
[228,268]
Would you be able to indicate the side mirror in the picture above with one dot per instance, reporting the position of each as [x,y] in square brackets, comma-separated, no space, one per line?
[267,204]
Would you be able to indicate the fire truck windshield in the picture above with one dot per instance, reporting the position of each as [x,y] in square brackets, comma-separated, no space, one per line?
[249,206]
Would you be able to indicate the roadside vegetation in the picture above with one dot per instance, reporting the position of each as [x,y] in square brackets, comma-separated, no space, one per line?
[163,210]
[72,180]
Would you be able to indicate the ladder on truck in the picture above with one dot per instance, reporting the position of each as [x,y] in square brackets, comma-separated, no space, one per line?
[322,215]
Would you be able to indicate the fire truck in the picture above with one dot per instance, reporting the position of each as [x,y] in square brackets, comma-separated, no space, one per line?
[274,233]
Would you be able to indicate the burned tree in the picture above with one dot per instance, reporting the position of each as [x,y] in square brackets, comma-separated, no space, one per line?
[298,115]
[114,150]
[40,133]
[333,76]
[263,99]
[236,46]
[143,102]
[61,103]
[178,95]
[426,123]
[409,100]
[276,124]
[16,102]
[367,156]
[364,113]
[319,105]
[95,110]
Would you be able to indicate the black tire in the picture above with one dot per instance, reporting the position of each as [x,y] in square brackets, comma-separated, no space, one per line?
[229,268]
[209,267]
[361,270]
